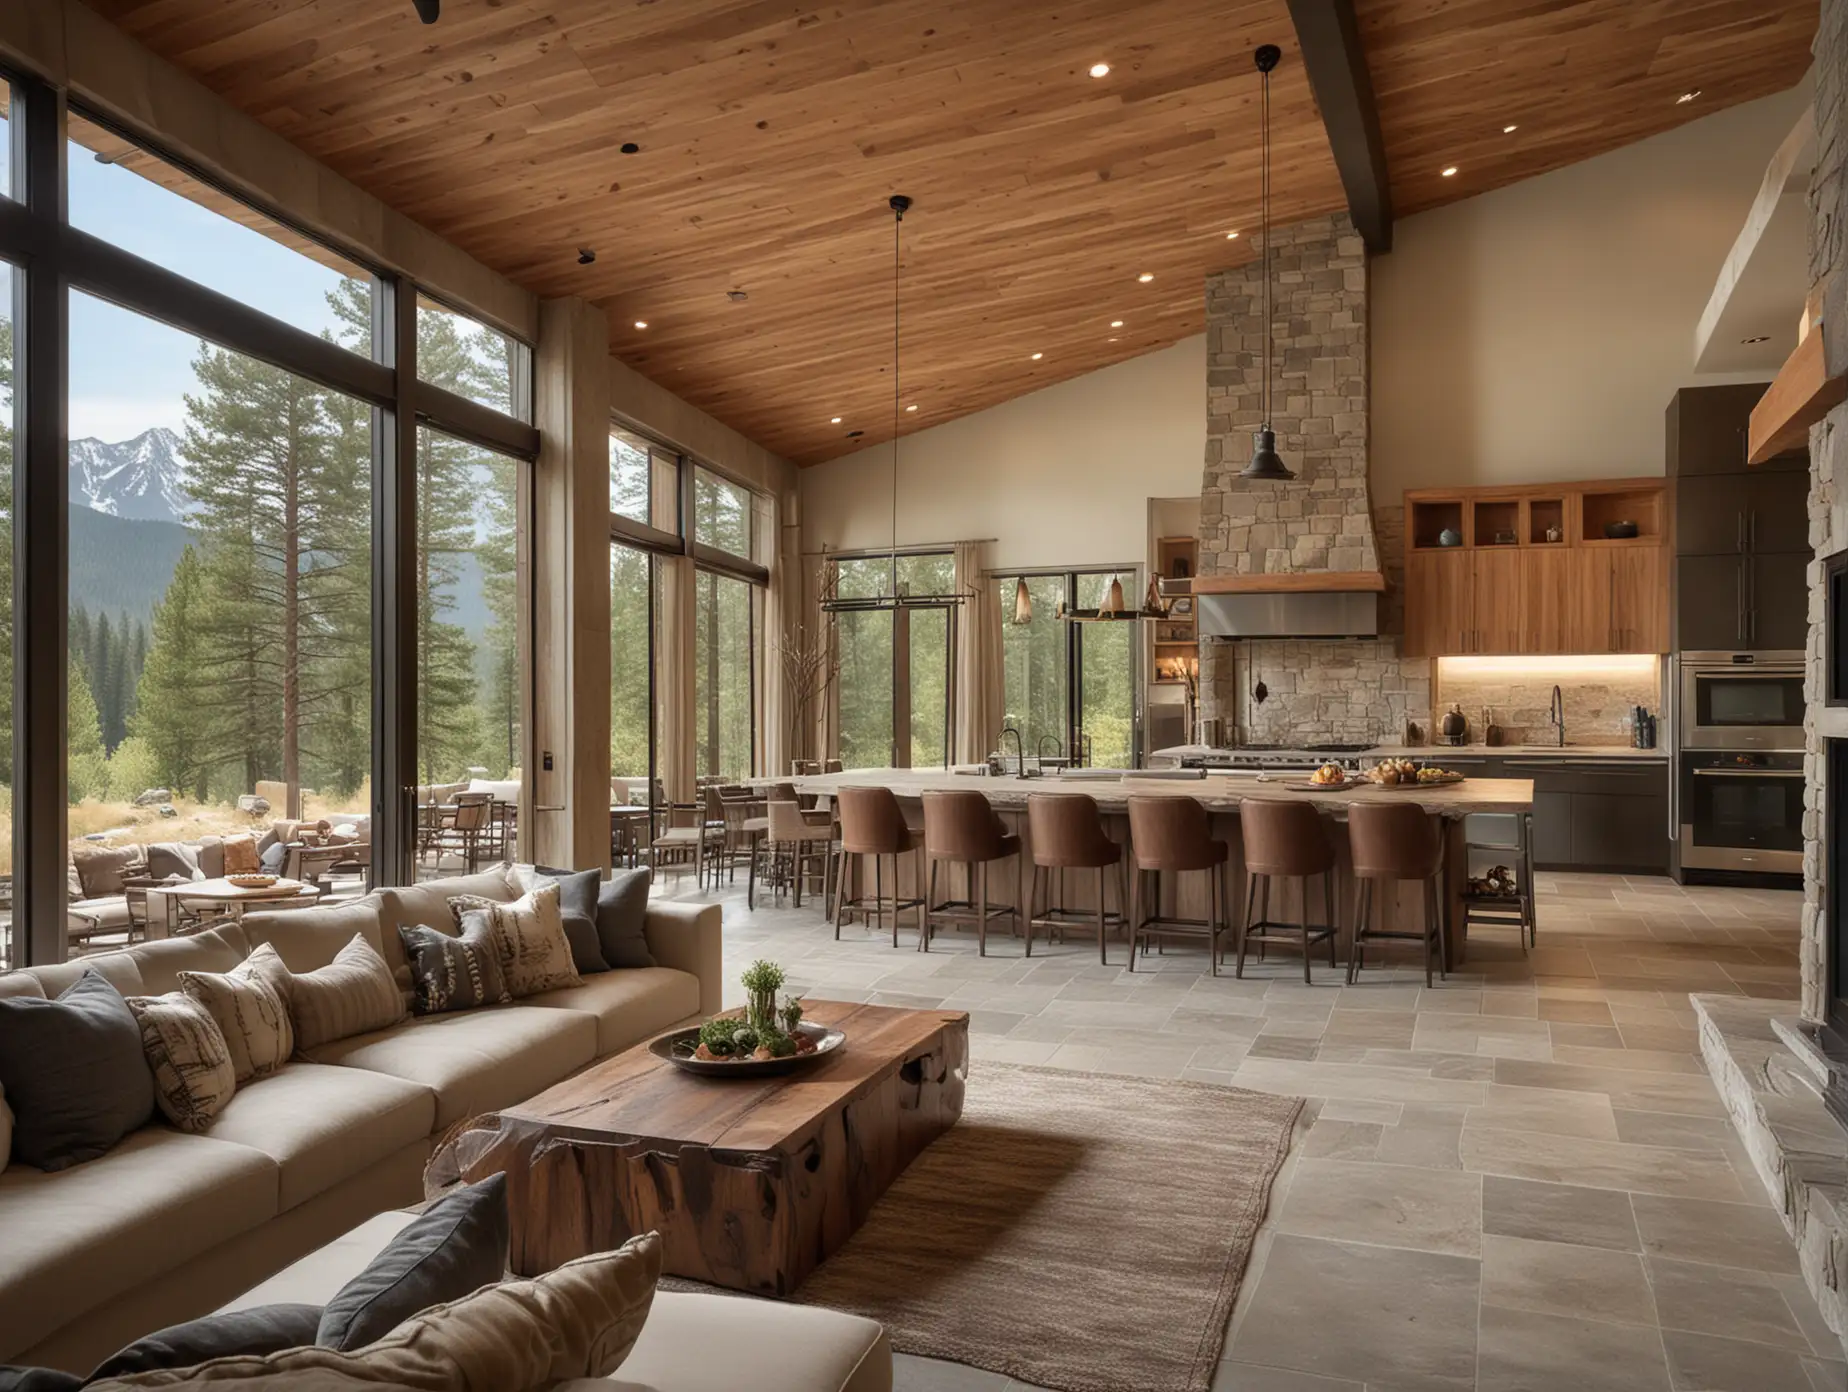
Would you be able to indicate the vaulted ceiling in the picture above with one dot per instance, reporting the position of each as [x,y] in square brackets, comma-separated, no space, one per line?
[771,134]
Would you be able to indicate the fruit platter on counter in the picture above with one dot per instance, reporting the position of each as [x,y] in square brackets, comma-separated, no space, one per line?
[1407,773]
[767,1037]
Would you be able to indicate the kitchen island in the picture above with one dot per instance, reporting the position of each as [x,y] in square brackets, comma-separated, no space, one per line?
[1222,794]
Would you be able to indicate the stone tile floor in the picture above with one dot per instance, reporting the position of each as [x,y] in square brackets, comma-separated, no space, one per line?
[1519,1180]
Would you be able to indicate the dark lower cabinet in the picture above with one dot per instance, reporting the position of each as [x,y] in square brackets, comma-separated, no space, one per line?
[1552,827]
[1593,815]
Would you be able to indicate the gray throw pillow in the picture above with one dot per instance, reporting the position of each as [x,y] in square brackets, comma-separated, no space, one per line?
[622,906]
[236,1333]
[452,1249]
[577,908]
[173,860]
[74,1073]
[454,973]
[38,1380]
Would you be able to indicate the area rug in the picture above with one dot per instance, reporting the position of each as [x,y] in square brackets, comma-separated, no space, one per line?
[1078,1231]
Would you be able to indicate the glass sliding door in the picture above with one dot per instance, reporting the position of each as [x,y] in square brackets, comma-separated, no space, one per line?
[865,646]
[1036,677]
[1070,685]
[1104,670]
[723,646]
[632,731]
[896,665]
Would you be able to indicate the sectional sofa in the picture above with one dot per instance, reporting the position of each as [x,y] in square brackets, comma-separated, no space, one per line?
[168,1226]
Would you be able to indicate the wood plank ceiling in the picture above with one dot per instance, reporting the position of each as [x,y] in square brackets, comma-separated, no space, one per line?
[771,133]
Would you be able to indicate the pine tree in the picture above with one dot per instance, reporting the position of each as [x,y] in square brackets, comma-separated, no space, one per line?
[176,703]
[80,637]
[86,766]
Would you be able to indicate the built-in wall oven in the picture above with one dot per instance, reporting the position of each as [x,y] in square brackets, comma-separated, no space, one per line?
[1742,811]
[1740,700]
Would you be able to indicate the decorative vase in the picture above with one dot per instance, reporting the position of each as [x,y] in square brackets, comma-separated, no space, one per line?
[1450,536]
[1456,724]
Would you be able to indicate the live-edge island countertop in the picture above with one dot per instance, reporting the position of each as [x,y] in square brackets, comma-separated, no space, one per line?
[1221,794]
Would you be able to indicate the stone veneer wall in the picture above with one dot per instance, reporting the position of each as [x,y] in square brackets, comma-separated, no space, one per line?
[1323,519]
[1828,502]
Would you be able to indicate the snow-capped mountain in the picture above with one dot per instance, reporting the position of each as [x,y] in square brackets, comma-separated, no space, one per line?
[142,479]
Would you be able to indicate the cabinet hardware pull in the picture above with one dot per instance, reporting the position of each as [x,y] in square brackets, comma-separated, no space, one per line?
[1739,533]
[1739,602]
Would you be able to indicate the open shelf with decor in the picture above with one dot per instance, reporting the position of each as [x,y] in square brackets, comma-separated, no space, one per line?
[1176,648]
[1546,521]
[1495,522]
[1430,521]
[1627,514]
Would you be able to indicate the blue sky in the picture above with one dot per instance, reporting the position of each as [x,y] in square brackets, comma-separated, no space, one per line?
[129,373]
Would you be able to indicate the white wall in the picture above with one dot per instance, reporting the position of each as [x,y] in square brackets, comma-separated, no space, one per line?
[1532,333]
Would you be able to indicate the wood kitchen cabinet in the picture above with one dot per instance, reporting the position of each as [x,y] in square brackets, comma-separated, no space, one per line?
[1535,570]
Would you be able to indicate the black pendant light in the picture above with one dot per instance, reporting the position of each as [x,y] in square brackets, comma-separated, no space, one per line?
[1266,463]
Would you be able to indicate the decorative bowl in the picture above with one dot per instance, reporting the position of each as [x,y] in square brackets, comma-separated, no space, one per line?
[828,1042]
[1620,531]
[253,881]
[1450,536]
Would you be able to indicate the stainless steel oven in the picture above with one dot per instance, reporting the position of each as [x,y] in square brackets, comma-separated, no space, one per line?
[1740,700]
[1742,810]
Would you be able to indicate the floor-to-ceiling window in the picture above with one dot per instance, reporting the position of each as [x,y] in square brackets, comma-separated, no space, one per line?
[632,613]
[217,573]
[896,663]
[727,599]
[1069,687]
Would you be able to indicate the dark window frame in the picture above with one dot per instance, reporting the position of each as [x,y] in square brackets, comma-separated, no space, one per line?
[898,752]
[1074,645]
[50,259]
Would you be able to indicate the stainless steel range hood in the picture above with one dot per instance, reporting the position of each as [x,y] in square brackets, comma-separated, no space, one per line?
[1292,614]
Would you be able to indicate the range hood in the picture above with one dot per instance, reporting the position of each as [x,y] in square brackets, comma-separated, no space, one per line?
[1303,604]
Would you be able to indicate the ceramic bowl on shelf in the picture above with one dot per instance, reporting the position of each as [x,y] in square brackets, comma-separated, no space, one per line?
[1620,531]
[1450,536]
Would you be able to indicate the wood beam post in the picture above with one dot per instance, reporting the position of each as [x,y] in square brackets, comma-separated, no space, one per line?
[1329,36]
[565,807]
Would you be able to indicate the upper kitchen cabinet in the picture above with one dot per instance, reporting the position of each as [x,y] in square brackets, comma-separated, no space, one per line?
[1560,568]
[1707,432]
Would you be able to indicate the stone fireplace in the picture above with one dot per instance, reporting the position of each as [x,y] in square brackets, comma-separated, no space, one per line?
[1318,690]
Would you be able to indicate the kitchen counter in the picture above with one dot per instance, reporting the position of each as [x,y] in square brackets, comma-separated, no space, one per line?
[1437,753]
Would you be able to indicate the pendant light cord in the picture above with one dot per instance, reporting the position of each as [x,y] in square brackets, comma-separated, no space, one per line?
[1264,193]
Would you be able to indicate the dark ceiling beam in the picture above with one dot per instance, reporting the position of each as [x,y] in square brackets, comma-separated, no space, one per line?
[1337,68]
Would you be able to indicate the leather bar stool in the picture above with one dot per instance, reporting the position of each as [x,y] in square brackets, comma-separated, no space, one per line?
[962,828]
[1174,835]
[756,832]
[1285,840]
[1390,843]
[872,824]
[1068,834]
[794,848]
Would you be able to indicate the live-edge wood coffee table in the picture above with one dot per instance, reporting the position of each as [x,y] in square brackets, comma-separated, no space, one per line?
[751,1183]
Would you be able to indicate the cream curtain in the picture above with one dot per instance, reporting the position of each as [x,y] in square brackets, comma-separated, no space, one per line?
[978,657]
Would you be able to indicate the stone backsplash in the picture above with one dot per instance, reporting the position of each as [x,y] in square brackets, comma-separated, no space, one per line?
[1597,698]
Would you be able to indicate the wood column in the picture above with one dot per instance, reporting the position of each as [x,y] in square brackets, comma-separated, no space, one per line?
[565,808]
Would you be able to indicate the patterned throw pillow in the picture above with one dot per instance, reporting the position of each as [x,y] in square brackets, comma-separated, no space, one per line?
[193,1076]
[535,954]
[458,973]
[241,856]
[251,1011]
[353,994]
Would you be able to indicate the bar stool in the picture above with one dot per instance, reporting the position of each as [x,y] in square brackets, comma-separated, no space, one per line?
[1285,840]
[793,849]
[1174,834]
[1390,843]
[872,824]
[1068,834]
[962,828]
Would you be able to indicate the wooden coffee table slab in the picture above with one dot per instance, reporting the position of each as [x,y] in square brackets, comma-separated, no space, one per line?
[750,1182]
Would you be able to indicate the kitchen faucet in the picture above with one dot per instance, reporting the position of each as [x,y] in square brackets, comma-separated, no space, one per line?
[1020,750]
[1556,716]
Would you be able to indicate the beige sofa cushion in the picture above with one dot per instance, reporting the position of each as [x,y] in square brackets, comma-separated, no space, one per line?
[308,939]
[102,869]
[117,968]
[160,962]
[353,994]
[630,1006]
[322,1125]
[475,1061]
[187,1054]
[76,1239]
[691,1342]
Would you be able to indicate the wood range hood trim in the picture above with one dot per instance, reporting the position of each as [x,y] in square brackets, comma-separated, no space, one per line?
[1293,582]
[1802,394]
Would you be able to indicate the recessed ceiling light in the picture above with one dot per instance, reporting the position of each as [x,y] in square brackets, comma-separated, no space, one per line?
[1038,356]
[834,420]
[1116,323]
[912,407]
[1510,128]
[1232,236]
[1146,277]
[1113,338]
[1687,97]
[1100,70]
[1449,171]
[1756,338]
[641,323]
[629,147]
[737,296]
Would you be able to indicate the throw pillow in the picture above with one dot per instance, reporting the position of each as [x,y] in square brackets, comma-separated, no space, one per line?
[577,910]
[102,869]
[241,854]
[259,1330]
[351,995]
[251,1012]
[173,860]
[193,1076]
[454,973]
[622,911]
[535,955]
[579,1321]
[38,1380]
[457,1245]
[73,1072]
